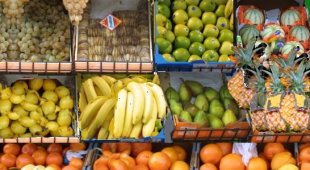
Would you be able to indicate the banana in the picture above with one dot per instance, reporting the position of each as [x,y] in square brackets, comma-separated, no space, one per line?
[231,22]
[119,113]
[138,105]
[82,100]
[103,133]
[98,91]
[111,129]
[89,90]
[109,79]
[128,116]
[160,99]
[149,126]
[148,105]
[117,86]
[156,79]
[229,8]
[102,85]
[126,81]
[84,134]
[90,111]
[136,130]
[139,79]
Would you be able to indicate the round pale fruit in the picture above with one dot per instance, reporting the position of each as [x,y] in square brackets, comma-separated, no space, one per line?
[180,17]
[168,57]
[66,103]
[193,11]
[179,4]
[224,58]
[197,49]
[161,20]
[196,36]
[182,42]
[207,5]
[210,56]
[169,36]
[226,35]
[194,23]
[192,2]
[164,9]
[181,54]
[35,84]
[50,96]
[210,31]
[62,91]
[161,31]
[181,30]
[211,43]
[226,48]
[49,84]
[194,58]
[220,11]
[164,45]
[48,107]
[5,121]
[17,128]
[222,23]
[208,18]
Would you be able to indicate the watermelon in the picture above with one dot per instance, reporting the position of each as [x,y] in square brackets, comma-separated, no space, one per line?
[289,46]
[254,16]
[290,17]
[300,33]
[248,33]
[272,32]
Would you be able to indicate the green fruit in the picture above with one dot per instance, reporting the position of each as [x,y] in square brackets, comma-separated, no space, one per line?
[226,35]
[50,96]
[20,110]
[192,2]
[168,57]
[229,117]
[180,17]
[35,130]
[215,122]
[181,54]
[169,35]
[32,97]
[216,108]
[196,36]
[184,93]
[220,11]
[163,45]
[194,23]
[17,128]
[52,126]
[208,18]
[5,121]
[201,119]
[202,103]
[210,56]
[231,105]
[5,106]
[220,2]
[222,23]
[224,93]
[161,20]
[185,117]
[166,2]
[211,93]
[224,58]
[190,108]
[179,4]
[182,42]
[66,103]
[181,30]
[164,9]
[207,5]
[194,58]
[175,107]
[197,49]
[168,25]
[193,11]
[226,48]
[195,87]
[6,133]
[211,43]
[171,93]
[161,31]
[65,131]
[36,116]
[26,121]
[211,31]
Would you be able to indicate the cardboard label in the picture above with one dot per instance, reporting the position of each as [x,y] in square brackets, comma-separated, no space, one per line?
[110,22]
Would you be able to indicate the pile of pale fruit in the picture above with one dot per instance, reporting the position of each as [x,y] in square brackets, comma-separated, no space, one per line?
[128,107]
[190,30]
[35,108]
[210,108]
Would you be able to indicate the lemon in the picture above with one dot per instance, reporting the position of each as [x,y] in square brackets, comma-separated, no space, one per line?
[49,84]
[36,84]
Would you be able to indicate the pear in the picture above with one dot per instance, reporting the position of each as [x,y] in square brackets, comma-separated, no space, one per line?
[65,131]
[62,91]
[52,126]
[224,93]
[5,121]
[26,121]
[185,117]
[216,108]
[211,93]
[232,105]
[185,93]
[35,130]
[26,135]
[6,133]
[195,87]
[192,109]
[17,128]
[175,107]
[171,93]
[229,117]
[201,118]
[64,120]
[215,122]
[202,103]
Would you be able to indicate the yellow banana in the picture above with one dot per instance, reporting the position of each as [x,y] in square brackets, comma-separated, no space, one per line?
[84,134]
[138,104]
[139,79]
[126,81]
[82,100]
[89,90]
[160,99]
[128,116]
[148,104]
[229,8]
[119,113]
[136,130]
[103,133]
[102,85]
[149,126]
[90,111]
[111,129]
[109,79]
[117,86]
[231,22]
[156,79]
[98,91]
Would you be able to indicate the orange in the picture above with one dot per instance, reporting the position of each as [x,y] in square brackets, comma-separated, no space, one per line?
[141,167]
[55,167]
[54,147]
[225,147]
[208,166]
[11,148]
[143,157]
[76,162]
[101,163]
[171,153]
[179,165]
[130,162]
[232,162]
[69,167]
[39,157]
[54,158]
[302,146]
[159,161]
[281,159]
[3,167]
[136,148]
[211,153]
[23,160]
[257,164]
[124,147]
[181,152]
[29,148]
[305,166]
[116,164]
[271,149]
[75,147]
[304,155]
[8,160]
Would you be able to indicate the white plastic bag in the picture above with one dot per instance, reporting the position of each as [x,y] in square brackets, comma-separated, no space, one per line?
[246,150]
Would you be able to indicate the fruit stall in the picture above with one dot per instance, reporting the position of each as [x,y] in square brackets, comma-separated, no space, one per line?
[154,85]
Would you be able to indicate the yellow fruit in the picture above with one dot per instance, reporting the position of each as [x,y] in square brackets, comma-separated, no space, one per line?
[48,107]
[50,96]
[36,84]
[62,91]
[288,167]
[281,159]
[5,106]
[49,84]
[66,103]
[65,131]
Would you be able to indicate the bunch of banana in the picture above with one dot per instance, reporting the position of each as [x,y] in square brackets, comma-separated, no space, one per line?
[129,107]
[228,12]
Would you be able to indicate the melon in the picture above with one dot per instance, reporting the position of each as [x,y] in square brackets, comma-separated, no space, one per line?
[290,17]
[300,33]
[289,46]
[272,32]
[248,33]
[254,15]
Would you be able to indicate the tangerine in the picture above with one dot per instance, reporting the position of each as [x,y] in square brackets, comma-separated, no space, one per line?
[305,166]
[75,147]
[281,159]
[130,162]
[302,146]
[304,155]
[141,167]
[3,167]
[136,148]
[179,165]
[102,162]
[54,147]
[23,160]
[143,157]
[76,162]
[124,147]
[29,148]
[8,160]
[159,161]
[225,147]
[271,149]
[208,166]
[54,158]
[39,157]
[11,148]
[53,167]
[171,153]
[232,162]
[257,164]
[181,152]
[116,164]
[69,167]
[211,153]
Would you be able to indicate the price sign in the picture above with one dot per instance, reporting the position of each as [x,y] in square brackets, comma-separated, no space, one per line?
[110,22]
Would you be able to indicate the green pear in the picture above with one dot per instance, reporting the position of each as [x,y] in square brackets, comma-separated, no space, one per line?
[185,93]
[192,109]
[216,108]
[215,122]
[185,117]
[211,93]
[201,119]
[175,107]
[232,105]
[224,93]
[229,117]
[171,93]
[195,87]
[202,102]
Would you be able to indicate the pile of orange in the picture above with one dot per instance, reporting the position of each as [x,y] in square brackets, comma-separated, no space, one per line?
[139,156]
[304,156]
[18,156]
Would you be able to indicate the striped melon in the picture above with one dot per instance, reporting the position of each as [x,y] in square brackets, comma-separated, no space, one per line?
[300,33]
[289,46]
[290,17]
[272,32]
[254,15]
[248,33]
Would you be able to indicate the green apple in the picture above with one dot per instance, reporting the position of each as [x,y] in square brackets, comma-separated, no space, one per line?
[192,2]
[161,31]
[168,25]
[179,4]
[226,48]
[194,58]
[224,58]
[210,56]
[193,11]
[168,57]
[182,42]
[207,5]
[166,2]
[196,36]
[212,43]
[220,2]
[164,45]
[169,35]
[208,18]
[180,17]
[164,9]
[222,23]
[161,20]
[226,35]
[194,23]
[181,30]
[210,31]
[197,49]
[181,54]
[220,11]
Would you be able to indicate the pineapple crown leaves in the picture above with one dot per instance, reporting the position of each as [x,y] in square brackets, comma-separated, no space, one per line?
[290,62]
[297,78]
[260,84]
[276,84]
